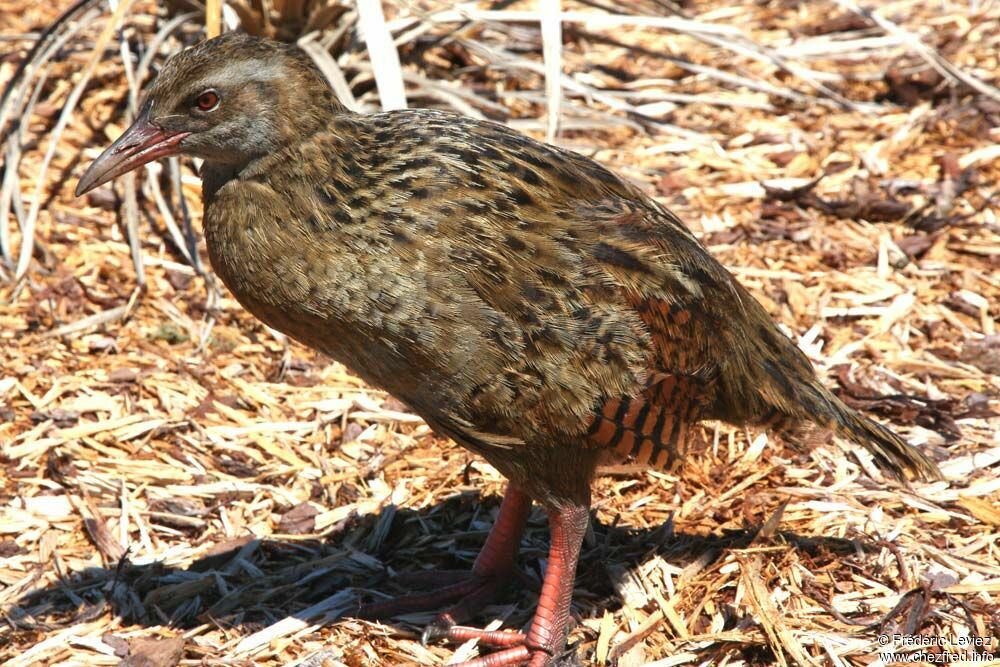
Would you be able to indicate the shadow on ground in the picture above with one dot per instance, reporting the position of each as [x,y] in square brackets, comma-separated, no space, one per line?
[249,584]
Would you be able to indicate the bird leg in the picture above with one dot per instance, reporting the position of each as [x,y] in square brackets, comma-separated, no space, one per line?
[467,592]
[547,634]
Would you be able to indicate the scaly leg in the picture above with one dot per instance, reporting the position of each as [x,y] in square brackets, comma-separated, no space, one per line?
[547,636]
[467,592]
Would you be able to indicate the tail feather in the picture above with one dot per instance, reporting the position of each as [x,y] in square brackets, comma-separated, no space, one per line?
[816,404]
[780,381]
[891,452]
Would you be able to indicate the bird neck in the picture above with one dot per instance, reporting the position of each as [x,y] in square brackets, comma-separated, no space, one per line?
[216,174]
[338,138]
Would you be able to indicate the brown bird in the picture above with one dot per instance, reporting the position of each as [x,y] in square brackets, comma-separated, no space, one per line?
[524,300]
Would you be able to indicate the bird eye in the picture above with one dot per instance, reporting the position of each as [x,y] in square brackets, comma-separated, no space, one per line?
[208,100]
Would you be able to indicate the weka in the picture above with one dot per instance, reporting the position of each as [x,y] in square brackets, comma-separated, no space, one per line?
[523,299]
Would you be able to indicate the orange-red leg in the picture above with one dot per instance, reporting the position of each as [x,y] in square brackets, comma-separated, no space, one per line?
[467,592]
[547,636]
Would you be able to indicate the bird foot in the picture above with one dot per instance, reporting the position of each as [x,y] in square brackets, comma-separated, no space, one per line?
[516,651]
[466,592]
[546,637]
[516,647]
[512,657]
[469,592]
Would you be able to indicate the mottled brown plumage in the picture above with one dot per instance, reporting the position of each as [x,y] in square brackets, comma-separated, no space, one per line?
[523,299]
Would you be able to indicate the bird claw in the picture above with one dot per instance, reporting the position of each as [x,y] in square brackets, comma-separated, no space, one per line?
[439,628]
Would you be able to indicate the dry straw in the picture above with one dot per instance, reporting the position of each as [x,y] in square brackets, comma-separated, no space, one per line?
[182,486]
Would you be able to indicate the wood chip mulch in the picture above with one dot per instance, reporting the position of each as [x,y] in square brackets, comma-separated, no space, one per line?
[179,485]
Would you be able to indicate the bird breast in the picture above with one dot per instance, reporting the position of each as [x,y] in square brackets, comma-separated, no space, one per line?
[389,317]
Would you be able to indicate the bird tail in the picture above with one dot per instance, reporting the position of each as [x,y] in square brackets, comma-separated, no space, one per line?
[815,404]
[891,452]
[779,381]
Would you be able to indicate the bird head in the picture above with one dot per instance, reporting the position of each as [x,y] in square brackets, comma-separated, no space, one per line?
[228,100]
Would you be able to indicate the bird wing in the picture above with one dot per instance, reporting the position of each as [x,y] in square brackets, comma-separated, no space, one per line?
[717,344]
[616,319]
[595,296]
[684,340]
[591,288]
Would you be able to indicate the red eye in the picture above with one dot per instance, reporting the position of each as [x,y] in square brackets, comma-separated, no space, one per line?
[208,100]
